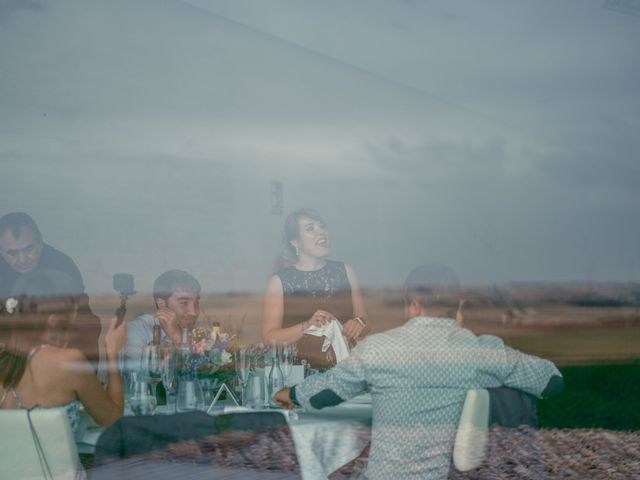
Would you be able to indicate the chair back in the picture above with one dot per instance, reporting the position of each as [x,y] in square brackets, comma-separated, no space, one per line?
[501,407]
[473,431]
[41,448]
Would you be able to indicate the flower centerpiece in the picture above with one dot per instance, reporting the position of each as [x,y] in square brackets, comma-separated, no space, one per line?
[212,357]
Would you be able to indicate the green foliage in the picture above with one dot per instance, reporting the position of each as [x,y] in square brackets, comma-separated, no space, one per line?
[595,396]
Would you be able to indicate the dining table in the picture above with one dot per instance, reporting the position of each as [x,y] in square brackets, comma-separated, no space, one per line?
[324,440]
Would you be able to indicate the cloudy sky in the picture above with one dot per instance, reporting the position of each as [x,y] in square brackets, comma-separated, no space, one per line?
[498,137]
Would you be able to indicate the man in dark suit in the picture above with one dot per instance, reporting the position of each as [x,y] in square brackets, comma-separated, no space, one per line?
[23,251]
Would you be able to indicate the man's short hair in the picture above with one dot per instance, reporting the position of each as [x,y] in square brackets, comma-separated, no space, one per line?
[16,221]
[175,281]
[433,285]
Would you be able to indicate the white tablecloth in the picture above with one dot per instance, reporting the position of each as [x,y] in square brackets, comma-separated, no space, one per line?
[328,439]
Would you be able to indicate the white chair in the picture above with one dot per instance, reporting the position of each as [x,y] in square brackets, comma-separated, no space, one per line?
[52,455]
[472,436]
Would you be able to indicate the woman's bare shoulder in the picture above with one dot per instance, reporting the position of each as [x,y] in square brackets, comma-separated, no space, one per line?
[62,353]
[351,274]
[57,372]
[275,284]
[60,360]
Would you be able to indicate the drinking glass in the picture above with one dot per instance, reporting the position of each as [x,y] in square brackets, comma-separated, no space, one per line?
[190,395]
[286,364]
[243,369]
[168,369]
[255,391]
[142,400]
[128,378]
[308,370]
[209,387]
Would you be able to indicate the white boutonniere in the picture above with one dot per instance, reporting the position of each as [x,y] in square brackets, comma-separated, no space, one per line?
[10,305]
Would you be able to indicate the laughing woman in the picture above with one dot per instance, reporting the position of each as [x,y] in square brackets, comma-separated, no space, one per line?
[311,292]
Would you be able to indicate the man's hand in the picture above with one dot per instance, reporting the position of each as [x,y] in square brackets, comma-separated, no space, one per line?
[169,323]
[282,399]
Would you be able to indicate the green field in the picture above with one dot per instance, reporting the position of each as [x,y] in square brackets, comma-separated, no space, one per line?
[595,396]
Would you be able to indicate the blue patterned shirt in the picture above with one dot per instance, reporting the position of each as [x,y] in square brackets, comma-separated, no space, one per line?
[418,375]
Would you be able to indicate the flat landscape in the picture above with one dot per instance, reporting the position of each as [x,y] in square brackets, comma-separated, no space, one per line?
[569,324]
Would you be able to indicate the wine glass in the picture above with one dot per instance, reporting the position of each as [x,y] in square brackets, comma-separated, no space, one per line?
[243,369]
[142,400]
[168,369]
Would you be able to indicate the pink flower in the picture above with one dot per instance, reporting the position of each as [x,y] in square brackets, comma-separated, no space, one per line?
[200,347]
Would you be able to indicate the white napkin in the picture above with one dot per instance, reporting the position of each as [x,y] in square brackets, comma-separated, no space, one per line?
[333,337]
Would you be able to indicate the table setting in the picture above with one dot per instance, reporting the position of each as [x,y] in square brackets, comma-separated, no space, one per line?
[324,440]
[212,372]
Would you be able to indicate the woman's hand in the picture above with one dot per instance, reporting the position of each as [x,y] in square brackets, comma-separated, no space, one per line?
[352,329]
[116,337]
[319,319]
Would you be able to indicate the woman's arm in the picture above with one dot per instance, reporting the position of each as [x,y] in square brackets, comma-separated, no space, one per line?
[359,309]
[105,406]
[354,329]
[273,313]
[115,340]
[272,316]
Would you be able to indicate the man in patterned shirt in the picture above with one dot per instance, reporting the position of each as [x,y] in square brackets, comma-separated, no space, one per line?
[418,375]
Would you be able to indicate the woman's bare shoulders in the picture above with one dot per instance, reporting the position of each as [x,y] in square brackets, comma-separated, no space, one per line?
[53,375]
[58,353]
[59,361]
